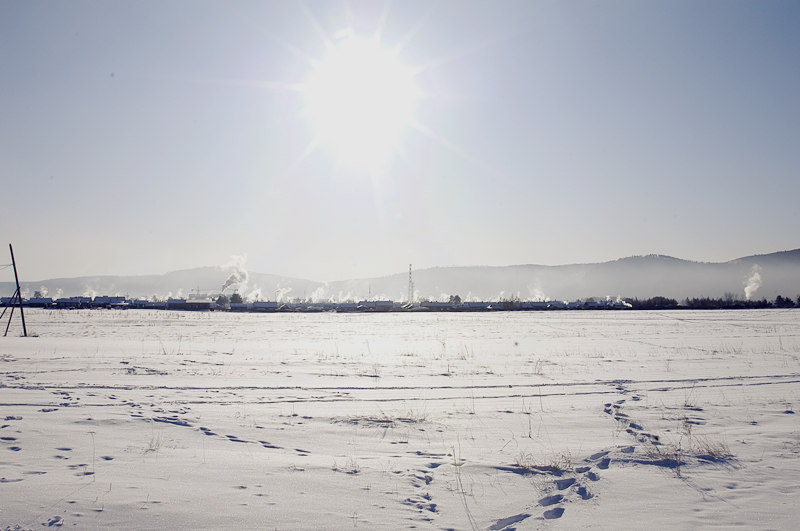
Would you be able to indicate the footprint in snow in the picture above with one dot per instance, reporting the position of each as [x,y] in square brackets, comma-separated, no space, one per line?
[603,464]
[55,521]
[424,477]
[551,500]
[553,513]
[584,493]
[503,523]
[596,456]
[422,505]
[562,484]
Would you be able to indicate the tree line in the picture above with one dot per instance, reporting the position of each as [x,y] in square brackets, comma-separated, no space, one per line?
[728,302]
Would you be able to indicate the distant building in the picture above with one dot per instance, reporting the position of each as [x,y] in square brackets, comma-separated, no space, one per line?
[436,305]
[346,307]
[375,306]
[108,302]
[38,302]
[73,302]
[176,304]
[199,305]
[535,305]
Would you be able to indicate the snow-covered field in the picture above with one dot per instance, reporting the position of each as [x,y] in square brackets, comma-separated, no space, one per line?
[605,420]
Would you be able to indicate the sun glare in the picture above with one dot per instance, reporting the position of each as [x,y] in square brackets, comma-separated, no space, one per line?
[360,98]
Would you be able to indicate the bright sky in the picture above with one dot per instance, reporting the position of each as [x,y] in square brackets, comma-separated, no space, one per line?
[333,140]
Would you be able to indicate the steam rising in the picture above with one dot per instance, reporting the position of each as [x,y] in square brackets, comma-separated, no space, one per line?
[238,274]
[281,294]
[239,280]
[753,282]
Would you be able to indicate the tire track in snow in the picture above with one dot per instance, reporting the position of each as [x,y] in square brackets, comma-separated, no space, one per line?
[335,393]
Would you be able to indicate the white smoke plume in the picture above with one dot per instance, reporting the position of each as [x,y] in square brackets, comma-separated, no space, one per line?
[237,279]
[281,293]
[43,291]
[346,297]
[321,294]
[59,293]
[753,282]
[89,292]
[535,292]
[255,294]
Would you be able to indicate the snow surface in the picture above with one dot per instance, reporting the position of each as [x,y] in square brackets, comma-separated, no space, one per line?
[604,420]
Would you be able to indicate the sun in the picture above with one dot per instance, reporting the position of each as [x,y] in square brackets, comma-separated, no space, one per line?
[360,100]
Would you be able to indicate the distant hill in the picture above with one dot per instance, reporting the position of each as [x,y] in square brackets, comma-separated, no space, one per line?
[184,283]
[765,276]
[636,276]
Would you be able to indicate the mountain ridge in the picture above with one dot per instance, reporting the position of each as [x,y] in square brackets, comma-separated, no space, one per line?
[641,276]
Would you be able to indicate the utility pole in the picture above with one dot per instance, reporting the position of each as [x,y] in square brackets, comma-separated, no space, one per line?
[410,286]
[17,296]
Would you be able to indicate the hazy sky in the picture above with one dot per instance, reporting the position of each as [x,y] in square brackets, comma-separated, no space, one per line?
[148,136]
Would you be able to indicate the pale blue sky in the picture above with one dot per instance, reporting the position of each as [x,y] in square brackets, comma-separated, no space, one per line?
[142,137]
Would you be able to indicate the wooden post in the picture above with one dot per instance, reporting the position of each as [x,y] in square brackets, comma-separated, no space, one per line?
[19,292]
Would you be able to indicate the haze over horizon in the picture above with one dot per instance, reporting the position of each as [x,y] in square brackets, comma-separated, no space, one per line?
[239,264]
[337,140]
